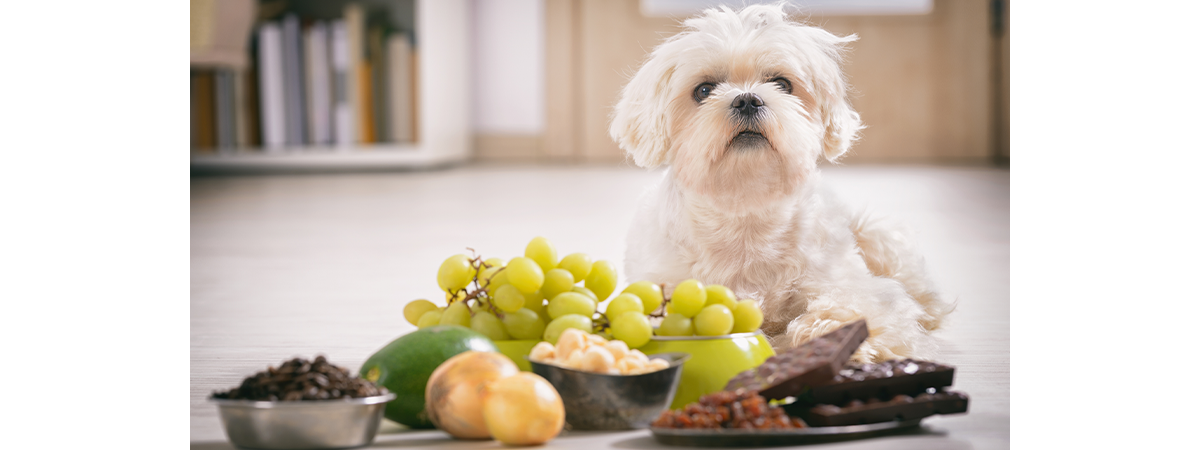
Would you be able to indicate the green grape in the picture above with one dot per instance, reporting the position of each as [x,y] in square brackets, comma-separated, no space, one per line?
[479,305]
[456,297]
[525,274]
[602,279]
[455,273]
[588,293]
[524,324]
[720,295]
[747,316]
[650,293]
[676,324]
[623,303]
[430,319]
[689,297]
[534,300]
[557,282]
[632,327]
[417,308]
[713,320]
[488,269]
[456,314]
[571,303]
[497,280]
[544,312]
[490,326]
[579,264]
[555,328]
[542,251]
[509,299]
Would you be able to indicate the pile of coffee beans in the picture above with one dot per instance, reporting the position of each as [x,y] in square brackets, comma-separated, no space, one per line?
[743,409]
[300,379]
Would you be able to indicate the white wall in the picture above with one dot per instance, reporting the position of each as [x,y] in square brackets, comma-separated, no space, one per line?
[508,67]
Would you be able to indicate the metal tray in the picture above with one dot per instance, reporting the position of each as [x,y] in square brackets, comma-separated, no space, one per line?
[767,438]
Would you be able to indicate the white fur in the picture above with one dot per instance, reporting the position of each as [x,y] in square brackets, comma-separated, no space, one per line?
[754,218]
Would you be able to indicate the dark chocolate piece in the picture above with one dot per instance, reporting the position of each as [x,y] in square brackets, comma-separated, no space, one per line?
[815,363]
[883,380]
[901,407]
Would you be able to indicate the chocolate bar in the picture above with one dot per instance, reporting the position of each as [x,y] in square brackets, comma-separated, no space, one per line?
[793,371]
[901,407]
[883,380]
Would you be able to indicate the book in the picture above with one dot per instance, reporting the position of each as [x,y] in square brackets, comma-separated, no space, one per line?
[366,121]
[226,134]
[249,125]
[316,58]
[416,94]
[270,87]
[241,122]
[352,14]
[344,132]
[203,111]
[377,55]
[293,82]
[400,87]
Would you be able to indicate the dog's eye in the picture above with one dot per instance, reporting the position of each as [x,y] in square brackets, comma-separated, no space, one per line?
[703,91]
[784,84]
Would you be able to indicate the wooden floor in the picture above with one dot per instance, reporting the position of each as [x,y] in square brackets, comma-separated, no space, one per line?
[285,266]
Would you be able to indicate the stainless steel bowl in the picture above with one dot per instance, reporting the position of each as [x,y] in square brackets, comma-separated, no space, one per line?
[596,401]
[302,424]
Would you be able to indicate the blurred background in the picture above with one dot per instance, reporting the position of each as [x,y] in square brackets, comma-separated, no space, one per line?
[313,85]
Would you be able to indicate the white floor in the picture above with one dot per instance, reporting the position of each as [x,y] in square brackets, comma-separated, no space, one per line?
[300,265]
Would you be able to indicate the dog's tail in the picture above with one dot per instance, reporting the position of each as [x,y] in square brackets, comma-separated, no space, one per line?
[890,252]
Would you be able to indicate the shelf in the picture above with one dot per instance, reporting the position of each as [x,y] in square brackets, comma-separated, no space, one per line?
[441,30]
[320,159]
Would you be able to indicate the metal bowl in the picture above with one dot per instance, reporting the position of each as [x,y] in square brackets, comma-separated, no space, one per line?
[302,424]
[595,401]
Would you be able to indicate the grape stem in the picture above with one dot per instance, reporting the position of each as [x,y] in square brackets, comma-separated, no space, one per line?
[601,321]
[478,264]
[662,309]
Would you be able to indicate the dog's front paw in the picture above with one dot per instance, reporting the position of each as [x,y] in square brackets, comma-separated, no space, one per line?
[872,352]
[807,327]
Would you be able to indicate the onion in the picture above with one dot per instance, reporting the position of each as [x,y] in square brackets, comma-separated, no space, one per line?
[452,396]
[523,409]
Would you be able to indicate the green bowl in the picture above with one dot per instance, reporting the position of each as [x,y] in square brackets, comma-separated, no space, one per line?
[517,351]
[714,360]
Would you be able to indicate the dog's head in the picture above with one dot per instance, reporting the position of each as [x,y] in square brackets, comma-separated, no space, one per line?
[741,104]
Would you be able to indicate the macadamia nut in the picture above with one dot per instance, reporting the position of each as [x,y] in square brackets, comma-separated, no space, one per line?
[579,350]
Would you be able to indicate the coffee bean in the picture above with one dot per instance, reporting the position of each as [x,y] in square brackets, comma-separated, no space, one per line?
[298,379]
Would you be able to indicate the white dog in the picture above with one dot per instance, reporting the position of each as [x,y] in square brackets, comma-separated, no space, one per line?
[741,105]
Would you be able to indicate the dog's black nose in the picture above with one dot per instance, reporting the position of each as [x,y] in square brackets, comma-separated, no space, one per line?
[747,104]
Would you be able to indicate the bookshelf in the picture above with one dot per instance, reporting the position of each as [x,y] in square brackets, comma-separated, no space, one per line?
[440,36]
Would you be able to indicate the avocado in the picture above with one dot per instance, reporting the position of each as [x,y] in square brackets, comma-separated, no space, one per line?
[404,366]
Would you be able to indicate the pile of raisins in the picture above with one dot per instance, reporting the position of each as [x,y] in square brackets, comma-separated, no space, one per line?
[298,380]
[743,409]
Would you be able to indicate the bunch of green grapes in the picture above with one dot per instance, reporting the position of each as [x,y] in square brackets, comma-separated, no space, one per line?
[698,310]
[535,296]
[538,296]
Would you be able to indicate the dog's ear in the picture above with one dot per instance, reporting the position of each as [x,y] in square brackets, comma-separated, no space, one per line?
[841,121]
[640,121]
[841,126]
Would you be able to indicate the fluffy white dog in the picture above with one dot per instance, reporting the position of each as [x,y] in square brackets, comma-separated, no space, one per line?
[741,105]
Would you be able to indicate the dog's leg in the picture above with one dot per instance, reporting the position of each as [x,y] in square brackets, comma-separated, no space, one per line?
[890,253]
[893,319]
